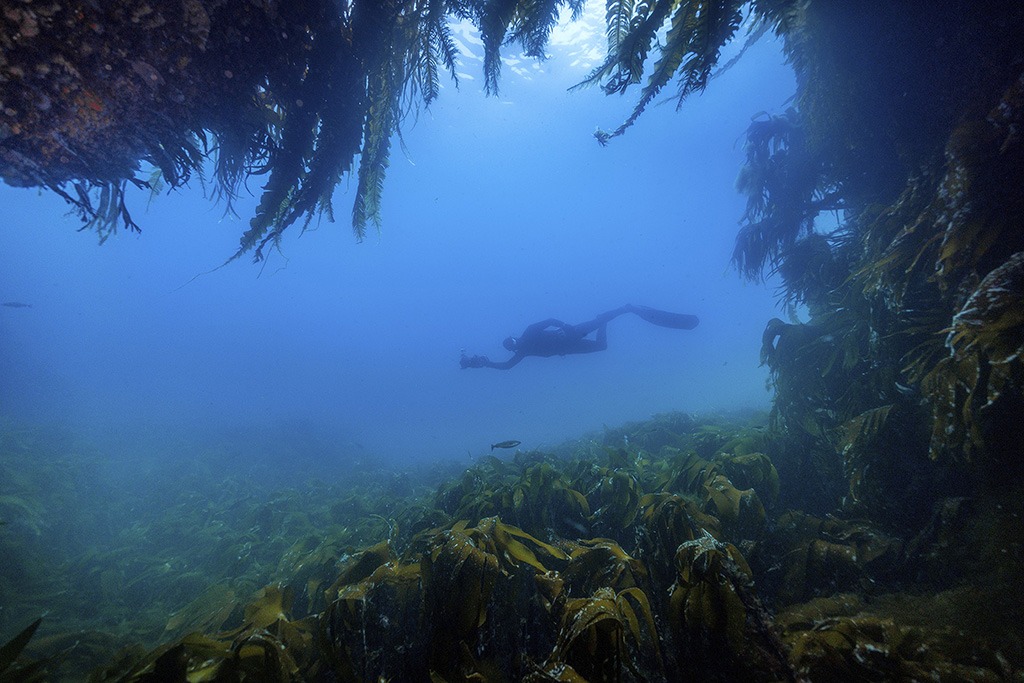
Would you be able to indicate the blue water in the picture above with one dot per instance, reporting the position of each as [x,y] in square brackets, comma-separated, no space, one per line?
[499,212]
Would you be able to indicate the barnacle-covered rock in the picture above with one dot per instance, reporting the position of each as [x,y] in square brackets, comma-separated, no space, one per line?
[90,89]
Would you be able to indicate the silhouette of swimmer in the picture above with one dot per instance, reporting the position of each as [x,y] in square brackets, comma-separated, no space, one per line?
[552,337]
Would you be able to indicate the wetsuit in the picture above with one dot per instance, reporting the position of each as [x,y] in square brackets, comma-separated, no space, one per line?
[552,337]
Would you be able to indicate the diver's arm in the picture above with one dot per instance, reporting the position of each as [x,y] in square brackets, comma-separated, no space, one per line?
[504,365]
[485,362]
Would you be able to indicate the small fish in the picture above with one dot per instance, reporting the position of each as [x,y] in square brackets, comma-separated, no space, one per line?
[505,444]
[15,304]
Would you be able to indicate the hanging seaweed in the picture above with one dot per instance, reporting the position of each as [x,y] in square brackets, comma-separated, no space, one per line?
[94,96]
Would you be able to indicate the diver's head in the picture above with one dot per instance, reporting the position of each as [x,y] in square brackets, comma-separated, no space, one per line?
[510,343]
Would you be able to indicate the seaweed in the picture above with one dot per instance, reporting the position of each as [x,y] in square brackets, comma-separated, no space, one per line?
[673,568]
[10,668]
[101,98]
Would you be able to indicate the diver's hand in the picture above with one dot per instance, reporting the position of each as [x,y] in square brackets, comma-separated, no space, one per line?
[473,361]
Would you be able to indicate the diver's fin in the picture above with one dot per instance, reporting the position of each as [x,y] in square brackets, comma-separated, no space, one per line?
[677,321]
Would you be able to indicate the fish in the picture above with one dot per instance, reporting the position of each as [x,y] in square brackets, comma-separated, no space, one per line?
[15,304]
[512,443]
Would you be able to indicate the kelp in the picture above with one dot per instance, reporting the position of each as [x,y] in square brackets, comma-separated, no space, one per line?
[538,498]
[719,626]
[10,668]
[984,370]
[897,394]
[43,473]
[911,141]
[895,637]
[101,98]
[786,191]
[929,279]
[822,556]
[604,634]
[268,645]
[602,563]
[447,592]
[613,495]
[957,220]
[696,32]
[673,588]
[740,513]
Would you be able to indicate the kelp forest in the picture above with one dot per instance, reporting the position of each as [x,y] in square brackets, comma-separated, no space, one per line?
[868,528]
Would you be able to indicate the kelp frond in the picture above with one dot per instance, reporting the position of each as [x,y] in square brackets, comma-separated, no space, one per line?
[108,212]
[292,91]
[494,19]
[501,22]
[632,28]
[431,50]
[696,33]
[785,188]
[360,83]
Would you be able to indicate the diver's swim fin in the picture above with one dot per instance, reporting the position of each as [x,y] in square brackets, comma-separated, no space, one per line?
[677,321]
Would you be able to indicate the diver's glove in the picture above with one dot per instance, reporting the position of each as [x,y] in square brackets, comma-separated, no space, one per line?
[473,361]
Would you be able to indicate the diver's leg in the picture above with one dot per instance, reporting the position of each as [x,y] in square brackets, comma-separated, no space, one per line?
[602,338]
[678,321]
[591,345]
[615,313]
[583,329]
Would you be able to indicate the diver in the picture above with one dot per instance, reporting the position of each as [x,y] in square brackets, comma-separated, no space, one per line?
[553,337]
